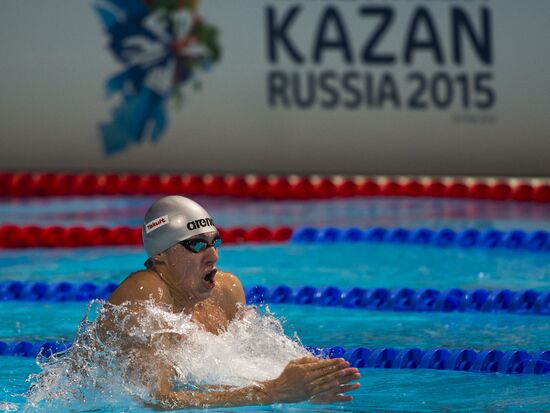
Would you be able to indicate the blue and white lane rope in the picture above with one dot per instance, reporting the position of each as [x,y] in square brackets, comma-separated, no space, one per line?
[536,241]
[398,299]
[484,361]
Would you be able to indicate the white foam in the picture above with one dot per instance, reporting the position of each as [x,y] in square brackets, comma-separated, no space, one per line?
[98,373]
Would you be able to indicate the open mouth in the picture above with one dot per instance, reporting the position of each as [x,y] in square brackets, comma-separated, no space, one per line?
[209,277]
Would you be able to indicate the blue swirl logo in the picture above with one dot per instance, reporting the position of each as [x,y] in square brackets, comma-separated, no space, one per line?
[163,45]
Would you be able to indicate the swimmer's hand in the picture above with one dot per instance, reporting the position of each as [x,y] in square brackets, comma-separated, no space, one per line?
[309,378]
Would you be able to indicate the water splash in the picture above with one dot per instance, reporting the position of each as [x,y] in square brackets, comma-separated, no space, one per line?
[104,371]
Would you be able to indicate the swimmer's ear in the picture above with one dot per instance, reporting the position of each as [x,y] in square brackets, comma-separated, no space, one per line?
[159,258]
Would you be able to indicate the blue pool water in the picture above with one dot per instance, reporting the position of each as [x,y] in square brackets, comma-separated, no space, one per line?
[342,265]
[363,212]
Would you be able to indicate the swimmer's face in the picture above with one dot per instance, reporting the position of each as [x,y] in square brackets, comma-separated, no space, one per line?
[194,272]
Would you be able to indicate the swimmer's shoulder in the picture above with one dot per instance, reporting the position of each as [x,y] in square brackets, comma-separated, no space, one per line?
[231,288]
[139,286]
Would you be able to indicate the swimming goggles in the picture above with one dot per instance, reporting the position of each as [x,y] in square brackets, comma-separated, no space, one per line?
[196,245]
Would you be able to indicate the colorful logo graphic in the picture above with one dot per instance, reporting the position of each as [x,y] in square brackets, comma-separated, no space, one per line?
[163,45]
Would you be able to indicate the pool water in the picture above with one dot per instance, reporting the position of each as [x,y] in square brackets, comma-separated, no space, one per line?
[342,265]
[364,212]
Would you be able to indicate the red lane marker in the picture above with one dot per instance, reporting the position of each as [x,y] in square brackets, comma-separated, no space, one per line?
[13,236]
[25,184]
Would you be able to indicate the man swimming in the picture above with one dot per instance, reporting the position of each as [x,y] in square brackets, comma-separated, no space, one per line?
[182,242]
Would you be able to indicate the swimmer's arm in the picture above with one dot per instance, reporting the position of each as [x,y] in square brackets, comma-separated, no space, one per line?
[213,396]
[301,380]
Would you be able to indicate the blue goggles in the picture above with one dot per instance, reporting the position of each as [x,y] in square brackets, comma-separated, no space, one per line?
[196,245]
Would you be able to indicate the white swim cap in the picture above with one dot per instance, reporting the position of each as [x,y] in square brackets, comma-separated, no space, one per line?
[173,219]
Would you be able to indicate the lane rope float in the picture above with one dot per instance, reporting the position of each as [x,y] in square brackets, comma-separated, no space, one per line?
[536,241]
[465,359]
[25,184]
[525,302]
[13,236]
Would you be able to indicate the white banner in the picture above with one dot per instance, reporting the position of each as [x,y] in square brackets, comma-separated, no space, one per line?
[287,86]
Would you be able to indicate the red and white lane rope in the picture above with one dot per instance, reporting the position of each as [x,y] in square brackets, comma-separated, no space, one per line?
[25,184]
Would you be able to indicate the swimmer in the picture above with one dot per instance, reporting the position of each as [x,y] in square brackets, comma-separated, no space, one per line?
[182,243]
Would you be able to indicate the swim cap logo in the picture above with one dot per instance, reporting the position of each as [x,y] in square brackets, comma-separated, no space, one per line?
[156,224]
[163,46]
[200,223]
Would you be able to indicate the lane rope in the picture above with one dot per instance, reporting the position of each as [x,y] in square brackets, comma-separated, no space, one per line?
[526,302]
[25,184]
[467,360]
[537,240]
[13,236]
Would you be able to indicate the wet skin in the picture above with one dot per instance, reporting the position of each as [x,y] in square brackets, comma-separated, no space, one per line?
[190,283]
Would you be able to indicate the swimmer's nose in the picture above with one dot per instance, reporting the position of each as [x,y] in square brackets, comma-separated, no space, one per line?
[211,254]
